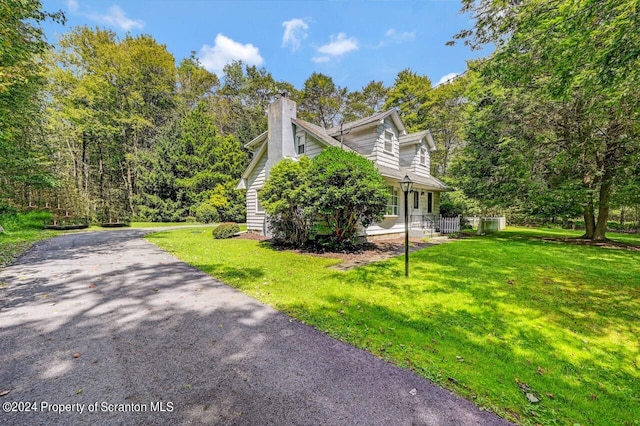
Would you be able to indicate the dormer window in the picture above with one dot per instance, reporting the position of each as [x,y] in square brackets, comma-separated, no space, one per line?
[300,145]
[423,156]
[388,141]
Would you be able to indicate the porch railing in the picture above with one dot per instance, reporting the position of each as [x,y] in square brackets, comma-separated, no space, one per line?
[431,223]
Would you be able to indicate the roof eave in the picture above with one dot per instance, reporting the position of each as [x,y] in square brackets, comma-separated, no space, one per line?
[256,141]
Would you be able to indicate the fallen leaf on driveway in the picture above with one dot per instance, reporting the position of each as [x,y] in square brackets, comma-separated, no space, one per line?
[413,392]
[92,285]
[76,355]
[3,393]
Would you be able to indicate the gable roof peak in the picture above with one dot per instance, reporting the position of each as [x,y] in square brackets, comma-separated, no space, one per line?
[367,121]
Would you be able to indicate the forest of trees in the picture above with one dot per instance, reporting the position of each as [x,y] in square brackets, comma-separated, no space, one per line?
[545,129]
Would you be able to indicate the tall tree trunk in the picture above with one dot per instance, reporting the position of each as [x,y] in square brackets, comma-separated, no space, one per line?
[130,185]
[101,171]
[85,168]
[622,216]
[589,219]
[610,164]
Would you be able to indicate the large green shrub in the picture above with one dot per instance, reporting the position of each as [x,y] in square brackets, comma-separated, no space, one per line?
[225,230]
[282,198]
[206,213]
[347,193]
[338,192]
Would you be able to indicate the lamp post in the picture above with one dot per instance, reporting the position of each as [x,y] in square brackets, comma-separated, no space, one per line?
[406,185]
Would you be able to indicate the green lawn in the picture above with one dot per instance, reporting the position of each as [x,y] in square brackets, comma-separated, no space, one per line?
[20,232]
[491,318]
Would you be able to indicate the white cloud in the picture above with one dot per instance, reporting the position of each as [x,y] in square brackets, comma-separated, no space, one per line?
[226,50]
[117,18]
[320,59]
[72,5]
[338,46]
[447,77]
[295,31]
[392,36]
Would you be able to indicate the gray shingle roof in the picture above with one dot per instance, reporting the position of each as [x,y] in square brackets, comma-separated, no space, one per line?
[318,132]
[415,138]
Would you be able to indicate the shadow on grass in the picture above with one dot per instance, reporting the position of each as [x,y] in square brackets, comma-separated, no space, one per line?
[511,308]
[486,313]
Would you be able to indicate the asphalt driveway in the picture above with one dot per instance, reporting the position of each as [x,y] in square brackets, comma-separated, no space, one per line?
[105,328]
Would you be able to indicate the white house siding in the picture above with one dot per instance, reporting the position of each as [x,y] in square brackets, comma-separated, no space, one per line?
[382,157]
[312,147]
[255,221]
[422,169]
[410,158]
[391,224]
[395,224]
[363,142]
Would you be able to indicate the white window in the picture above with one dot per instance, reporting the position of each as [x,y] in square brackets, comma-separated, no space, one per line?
[423,156]
[429,202]
[392,201]
[259,208]
[388,141]
[416,200]
[300,145]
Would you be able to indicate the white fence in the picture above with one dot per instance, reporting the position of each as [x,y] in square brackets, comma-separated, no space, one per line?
[488,224]
[449,225]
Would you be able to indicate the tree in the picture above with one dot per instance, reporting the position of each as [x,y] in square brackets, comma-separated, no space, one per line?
[25,154]
[346,192]
[445,109]
[580,62]
[410,93]
[194,82]
[283,199]
[322,102]
[109,100]
[368,101]
[239,104]
[506,164]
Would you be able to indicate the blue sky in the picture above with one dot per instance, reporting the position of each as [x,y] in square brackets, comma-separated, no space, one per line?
[354,42]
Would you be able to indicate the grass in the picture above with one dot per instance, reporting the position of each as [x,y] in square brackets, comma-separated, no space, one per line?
[20,232]
[491,318]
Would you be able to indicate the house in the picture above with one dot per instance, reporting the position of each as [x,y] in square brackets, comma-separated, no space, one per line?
[382,138]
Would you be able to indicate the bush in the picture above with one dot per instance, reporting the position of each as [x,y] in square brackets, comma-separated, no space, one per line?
[7,209]
[347,193]
[282,197]
[206,213]
[327,199]
[225,230]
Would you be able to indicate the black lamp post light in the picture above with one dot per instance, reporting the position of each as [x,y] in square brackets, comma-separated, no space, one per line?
[406,185]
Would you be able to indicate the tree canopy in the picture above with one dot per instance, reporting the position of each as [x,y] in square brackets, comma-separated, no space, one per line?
[24,153]
[557,113]
[329,198]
